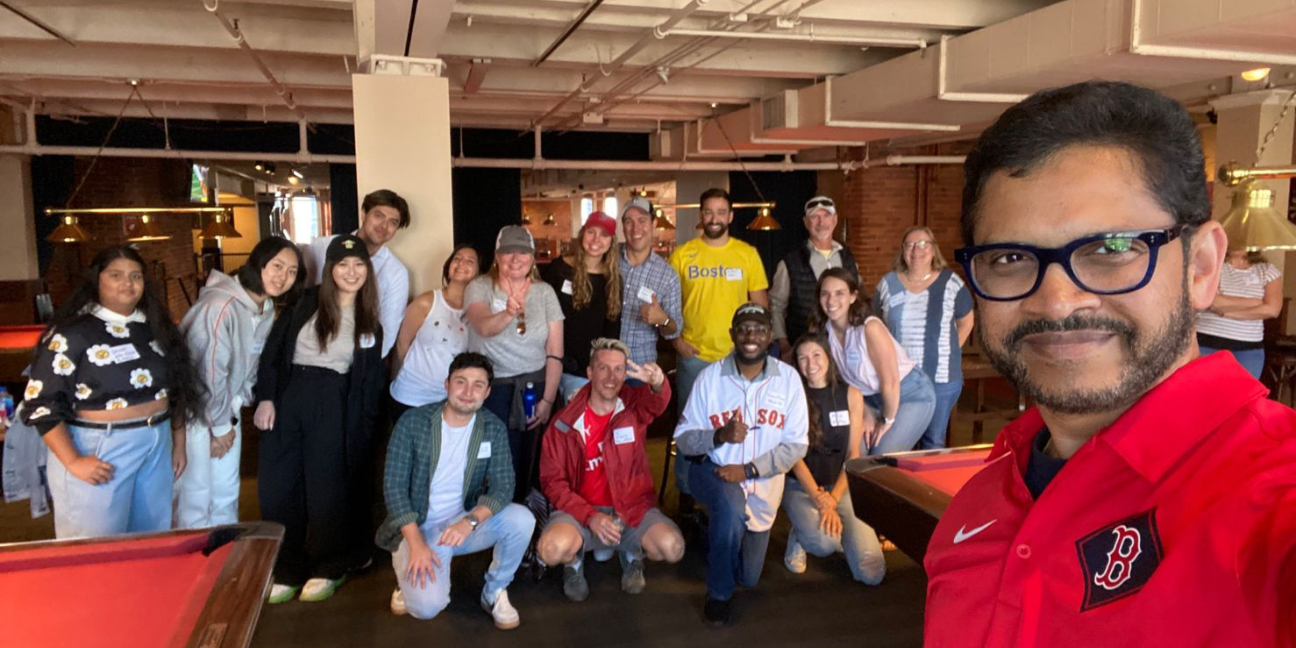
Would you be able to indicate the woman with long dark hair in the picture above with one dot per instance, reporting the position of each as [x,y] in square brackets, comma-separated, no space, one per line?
[111,390]
[226,329]
[900,397]
[588,286]
[432,334]
[817,499]
[319,385]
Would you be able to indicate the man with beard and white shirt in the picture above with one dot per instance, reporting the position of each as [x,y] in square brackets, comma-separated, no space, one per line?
[1150,498]
[745,426]
[383,212]
[717,274]
[448,483]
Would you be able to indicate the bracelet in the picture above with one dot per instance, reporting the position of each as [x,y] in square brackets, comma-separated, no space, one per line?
[749,471]
[546,400]
[553,357]
[889,421]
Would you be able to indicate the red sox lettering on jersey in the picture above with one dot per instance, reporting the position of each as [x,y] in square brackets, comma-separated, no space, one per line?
[764,416]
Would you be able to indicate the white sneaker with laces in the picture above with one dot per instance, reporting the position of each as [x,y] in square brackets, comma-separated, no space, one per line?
[503,612]
[795,556]
[398,603]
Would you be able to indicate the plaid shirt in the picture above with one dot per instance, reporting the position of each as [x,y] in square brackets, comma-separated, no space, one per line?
[412,456]
[656,275]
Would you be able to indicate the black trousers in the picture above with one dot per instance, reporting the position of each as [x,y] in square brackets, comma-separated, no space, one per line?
[303,481]
[524,444]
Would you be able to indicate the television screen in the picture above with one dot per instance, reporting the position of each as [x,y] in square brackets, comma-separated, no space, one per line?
[198,184]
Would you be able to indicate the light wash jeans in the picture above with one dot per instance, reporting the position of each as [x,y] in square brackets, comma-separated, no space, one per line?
[508,532]
[137,499]
[917,404]
[947,396]
[207,494]
[734,554]
[686,373]
[1253,360]
[858,540]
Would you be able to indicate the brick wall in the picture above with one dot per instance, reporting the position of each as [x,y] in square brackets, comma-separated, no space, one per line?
[132,182]
[880,203]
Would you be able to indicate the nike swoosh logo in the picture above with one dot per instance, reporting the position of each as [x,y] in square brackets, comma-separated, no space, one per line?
[963,534]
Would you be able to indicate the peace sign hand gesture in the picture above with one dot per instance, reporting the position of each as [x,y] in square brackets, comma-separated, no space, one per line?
[648,373]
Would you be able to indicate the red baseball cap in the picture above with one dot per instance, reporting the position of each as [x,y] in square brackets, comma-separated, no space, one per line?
[602,221]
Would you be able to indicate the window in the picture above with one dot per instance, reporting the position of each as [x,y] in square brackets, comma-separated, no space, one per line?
[610,205]
[305,219]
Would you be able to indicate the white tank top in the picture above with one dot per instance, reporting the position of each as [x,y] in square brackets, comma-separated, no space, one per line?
[442,336]
[853,362]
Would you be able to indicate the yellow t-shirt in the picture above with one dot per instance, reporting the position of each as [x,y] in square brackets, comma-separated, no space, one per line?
[714,282]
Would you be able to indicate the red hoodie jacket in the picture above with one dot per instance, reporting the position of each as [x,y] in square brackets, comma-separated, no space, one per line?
[562,459]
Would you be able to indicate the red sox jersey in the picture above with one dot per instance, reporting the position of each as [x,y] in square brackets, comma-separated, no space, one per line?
[1174,526]
[774,408]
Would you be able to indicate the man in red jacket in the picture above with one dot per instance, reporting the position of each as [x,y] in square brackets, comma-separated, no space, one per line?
[594,470]
[1150,498]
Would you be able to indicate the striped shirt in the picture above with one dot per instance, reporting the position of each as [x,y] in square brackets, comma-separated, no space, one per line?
[654,275]
[1239,282]
[926,323]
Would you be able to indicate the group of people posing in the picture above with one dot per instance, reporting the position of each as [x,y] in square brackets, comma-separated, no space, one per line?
[505,382]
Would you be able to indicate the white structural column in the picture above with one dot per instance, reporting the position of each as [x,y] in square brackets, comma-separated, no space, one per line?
[402,133]
[1244,121]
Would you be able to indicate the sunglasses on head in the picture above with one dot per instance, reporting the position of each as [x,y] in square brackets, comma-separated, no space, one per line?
[821,202]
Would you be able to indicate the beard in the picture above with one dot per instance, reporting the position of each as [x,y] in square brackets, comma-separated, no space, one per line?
[1146,359]
[459,409]
[714,230]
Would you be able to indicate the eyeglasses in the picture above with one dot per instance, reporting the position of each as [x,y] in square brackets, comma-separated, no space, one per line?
[1103,264]
[521,325]
[821,202]
[753,329]
[921,245]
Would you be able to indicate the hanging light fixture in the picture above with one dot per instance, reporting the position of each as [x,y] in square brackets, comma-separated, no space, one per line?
[550,220]
[764,222]
[1252,223]
[661,222]
[220,227]
[148,230]
[526,218]
[68,231]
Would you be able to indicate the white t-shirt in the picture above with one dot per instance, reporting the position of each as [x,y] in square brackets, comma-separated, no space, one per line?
[1239,282]
[445,496]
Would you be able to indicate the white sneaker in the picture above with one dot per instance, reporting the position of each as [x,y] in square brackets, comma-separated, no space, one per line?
[604,555]
[795,556]
[398,603]
[319,589]
[503,612]
[282,593]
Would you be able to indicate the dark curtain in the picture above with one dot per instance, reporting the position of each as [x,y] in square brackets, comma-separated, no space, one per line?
[484,201]
[790,190]
[343,199]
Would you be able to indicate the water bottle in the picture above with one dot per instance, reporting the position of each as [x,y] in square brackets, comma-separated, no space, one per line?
[529,398]
[7,404]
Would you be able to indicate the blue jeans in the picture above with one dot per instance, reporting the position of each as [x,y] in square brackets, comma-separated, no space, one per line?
[1253,360]
[137,499]
[734,555]
[858,540]
[947,397]
[917,404]
[686,373]
[508,532]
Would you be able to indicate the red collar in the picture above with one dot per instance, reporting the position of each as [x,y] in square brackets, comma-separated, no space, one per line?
[1164,425]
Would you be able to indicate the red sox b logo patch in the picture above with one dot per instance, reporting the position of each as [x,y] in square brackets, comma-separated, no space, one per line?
[1117,560]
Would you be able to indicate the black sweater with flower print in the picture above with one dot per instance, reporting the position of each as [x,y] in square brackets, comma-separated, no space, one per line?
[99,361]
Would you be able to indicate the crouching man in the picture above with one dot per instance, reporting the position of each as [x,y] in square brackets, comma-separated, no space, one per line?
[448,481]
[594,470]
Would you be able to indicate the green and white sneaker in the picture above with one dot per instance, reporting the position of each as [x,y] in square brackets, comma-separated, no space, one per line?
[280,593]
[319,589]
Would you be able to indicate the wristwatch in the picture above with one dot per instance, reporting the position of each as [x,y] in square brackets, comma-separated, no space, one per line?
[666,323]
[888,421]
[472,523]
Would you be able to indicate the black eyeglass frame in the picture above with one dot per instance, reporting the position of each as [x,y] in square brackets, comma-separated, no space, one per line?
[1046,257]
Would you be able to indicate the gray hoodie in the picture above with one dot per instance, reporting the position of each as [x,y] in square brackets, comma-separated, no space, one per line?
[226,331]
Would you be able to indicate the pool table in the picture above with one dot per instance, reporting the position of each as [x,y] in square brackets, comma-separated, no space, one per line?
[903,495]
[16,346]
[198,588]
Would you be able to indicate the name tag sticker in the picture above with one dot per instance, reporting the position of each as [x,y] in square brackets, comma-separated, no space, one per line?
[776,401]
[367,341]
[498,305]
[840,418]
[623,435]
[483,451]
[646,294]
[567,287]
[123,353]
[258,346]
[733,274]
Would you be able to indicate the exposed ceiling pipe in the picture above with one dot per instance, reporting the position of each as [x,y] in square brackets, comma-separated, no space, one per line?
[680,14]
[280,89]
[580,20]
[802,38]
[309,158]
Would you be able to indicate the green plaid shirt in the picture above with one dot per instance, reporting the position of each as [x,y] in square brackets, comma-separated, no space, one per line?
[412,456]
